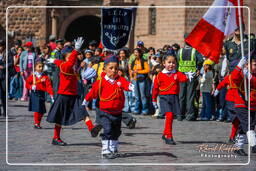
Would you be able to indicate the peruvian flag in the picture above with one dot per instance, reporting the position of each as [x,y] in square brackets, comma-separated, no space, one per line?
[207,36]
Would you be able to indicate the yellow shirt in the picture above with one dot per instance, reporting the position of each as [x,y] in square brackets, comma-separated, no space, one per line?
[138,67]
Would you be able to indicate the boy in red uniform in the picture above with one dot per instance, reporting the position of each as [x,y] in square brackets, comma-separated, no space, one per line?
[67,108]
[232,92]
[166,85]
[38,83]
[241,104]
[110,91]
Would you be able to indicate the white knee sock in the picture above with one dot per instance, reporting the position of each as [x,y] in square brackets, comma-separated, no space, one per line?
[251,138]
[240,141]
[106,147]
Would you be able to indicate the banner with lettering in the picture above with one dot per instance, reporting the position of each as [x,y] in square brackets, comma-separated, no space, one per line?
[116,24]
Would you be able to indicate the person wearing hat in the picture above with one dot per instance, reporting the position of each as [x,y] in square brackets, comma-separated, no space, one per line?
[233,47]
[66,109]
[190,63]
[243,106]
[27,59]
[53,71]
[206,89]
[110,91]
[3,66]
[52,42]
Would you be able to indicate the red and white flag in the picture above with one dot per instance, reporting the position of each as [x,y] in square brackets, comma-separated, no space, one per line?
[207,36]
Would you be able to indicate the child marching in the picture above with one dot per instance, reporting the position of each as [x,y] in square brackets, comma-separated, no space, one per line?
[166,85]
[242,106]
[67,109]
[110,92]
[38,83]
[232,92]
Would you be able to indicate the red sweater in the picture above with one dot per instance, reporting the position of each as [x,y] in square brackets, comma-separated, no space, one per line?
[232,88]
[68,76]
[43,84]
[167,84]
[238,78]
[111,94]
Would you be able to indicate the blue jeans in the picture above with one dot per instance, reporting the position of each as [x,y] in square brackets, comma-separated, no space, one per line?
[207,106]
[16,87]
[141,104]
[127,103]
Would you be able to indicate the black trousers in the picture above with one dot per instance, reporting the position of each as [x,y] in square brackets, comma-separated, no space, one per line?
[111,125]
[242,115]
[126,117]
[3,95]
[187,96]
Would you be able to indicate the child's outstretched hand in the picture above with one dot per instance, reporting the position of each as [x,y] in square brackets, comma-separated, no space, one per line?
[78,43]
[85,103]
[242,62]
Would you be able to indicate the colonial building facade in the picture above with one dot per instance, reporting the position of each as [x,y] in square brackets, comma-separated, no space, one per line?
[156,22]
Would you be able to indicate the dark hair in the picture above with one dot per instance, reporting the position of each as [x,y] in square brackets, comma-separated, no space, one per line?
[151,48]
[165,57]
[125,51]
[177,46]
[166,47]
[140,52]
[98,49]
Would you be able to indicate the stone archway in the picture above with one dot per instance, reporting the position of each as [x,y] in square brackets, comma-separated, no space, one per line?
[84,23]
[85,26]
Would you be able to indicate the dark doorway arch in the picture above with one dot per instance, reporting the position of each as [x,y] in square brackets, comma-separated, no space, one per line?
[86,26]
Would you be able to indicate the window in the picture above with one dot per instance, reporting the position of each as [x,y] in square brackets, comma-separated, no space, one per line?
[152,20]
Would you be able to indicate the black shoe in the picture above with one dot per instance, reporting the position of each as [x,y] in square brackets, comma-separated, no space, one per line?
[109,156]
[58,142]
[240,152]
[132,123]
[179,118]
[254,149]
[95,130]
[36,126]
[231,141]
[168,140]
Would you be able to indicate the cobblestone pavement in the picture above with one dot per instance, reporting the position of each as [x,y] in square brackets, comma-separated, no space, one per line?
[142,145]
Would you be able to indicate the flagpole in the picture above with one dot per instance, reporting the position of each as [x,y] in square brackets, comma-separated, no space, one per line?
[242,43]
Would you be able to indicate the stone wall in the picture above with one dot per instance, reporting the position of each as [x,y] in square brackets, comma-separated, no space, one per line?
[170,23]
[25,22]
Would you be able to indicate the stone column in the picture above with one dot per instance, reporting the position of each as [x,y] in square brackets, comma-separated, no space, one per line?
[54,22]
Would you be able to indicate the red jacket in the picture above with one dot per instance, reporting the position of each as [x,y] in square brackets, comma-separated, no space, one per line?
[68,76]
[111,94]
[238,78]
[167,84]
[232,88]
[43,83]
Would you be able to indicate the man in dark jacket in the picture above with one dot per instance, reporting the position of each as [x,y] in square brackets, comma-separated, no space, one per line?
[3,67]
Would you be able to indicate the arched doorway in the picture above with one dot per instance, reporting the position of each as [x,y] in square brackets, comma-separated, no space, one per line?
[86,26]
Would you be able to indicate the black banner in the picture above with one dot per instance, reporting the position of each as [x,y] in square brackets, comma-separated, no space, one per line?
[116,25]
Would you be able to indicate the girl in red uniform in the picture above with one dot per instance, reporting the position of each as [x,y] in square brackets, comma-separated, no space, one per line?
[166,85]
[232,91]
[38,83]
[110,91]
[67,108]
